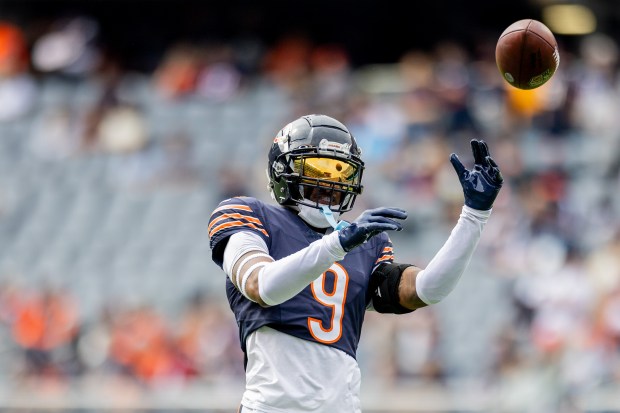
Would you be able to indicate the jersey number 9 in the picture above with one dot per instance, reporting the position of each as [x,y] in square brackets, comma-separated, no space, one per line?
[334,299]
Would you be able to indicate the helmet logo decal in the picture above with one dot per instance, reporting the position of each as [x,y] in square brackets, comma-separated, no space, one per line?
[282,138]
[327,145]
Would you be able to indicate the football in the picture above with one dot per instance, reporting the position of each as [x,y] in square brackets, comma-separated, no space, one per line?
[527,54]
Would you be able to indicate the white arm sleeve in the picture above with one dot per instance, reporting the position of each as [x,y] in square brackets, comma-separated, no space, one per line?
[281,280]
[238,244]
[441,275]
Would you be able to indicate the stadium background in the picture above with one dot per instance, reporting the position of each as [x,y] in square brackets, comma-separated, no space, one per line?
[123,123]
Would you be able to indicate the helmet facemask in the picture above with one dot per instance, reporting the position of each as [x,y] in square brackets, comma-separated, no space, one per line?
[317,177]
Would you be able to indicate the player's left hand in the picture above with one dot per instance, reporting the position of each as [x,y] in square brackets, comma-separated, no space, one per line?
[370,223]
[481,184]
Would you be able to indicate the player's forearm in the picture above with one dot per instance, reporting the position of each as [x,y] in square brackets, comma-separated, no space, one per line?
[283,279]
[442,274]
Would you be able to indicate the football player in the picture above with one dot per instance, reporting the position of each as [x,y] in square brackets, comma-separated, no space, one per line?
[300,279]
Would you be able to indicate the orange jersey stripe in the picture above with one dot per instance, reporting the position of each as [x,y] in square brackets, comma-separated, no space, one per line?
[387,249]
[384,258]
[235,224]
[236,216]
[237,206]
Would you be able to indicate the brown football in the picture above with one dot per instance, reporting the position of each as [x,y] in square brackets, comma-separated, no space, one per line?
[527,54]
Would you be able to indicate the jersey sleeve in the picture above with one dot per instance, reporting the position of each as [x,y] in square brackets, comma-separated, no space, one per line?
[231,216]
[385,251]
[383,289]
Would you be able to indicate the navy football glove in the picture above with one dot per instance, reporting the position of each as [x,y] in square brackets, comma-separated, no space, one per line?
[482,184]
[370,223]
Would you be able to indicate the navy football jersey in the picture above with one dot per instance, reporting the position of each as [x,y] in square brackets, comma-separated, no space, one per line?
[331,309]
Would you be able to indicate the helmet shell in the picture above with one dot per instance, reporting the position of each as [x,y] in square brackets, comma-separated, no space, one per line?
[311,135]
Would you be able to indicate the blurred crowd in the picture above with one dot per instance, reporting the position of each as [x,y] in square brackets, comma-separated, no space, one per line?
[545,304]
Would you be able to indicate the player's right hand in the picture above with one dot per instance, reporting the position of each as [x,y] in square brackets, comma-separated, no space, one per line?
[482,183]
[370,223]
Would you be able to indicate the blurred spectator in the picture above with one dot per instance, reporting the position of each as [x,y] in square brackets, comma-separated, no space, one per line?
[179,71]
[420,101]
[454,84]
[122,129]
[13,50]
[379,127]
[286,64]
[564,304]
[111,125]
[140,345]
[608,317]
[93,346]
[45,326]
[207,340]
[596,78]
[330,84]
[416,349]
[219,79]
[416,166]
[69,47]
[603,266]
[18,90]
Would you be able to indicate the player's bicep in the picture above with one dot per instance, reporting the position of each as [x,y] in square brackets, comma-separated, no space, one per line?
[407,293]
